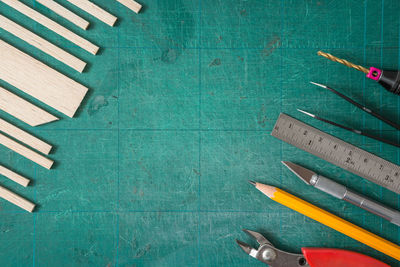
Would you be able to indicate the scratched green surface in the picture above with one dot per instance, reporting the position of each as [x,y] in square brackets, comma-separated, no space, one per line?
[153,170]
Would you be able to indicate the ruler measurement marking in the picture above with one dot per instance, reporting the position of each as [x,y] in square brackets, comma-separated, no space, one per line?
[338,152]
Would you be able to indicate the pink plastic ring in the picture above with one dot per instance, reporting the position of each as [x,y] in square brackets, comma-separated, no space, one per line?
[374,73]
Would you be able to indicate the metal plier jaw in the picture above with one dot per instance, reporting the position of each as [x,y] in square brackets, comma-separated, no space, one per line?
[270,255]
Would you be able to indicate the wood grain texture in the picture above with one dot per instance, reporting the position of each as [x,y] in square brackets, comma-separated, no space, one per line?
[40,81]
[267,190]
[26,152]
[42,44]
[14,176]
[52,25]
[131,4]
[16,199]
[65,13]
[23,110]
[24,137]
[95,11]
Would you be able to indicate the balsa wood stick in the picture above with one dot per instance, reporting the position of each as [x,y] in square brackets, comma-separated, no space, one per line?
[23,110]
[40,81]
[330,220]
[14,176]
[131,4]
[26,152]
[24,137]
[95,11]
[16,200]
[52,25]
[65,13]
[42,44]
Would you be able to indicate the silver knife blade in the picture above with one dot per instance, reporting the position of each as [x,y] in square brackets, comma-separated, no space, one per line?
[301,172]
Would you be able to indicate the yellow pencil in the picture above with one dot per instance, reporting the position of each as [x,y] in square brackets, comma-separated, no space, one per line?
[330,220]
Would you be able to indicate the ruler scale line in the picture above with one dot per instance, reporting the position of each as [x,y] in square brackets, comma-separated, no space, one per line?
[338,152]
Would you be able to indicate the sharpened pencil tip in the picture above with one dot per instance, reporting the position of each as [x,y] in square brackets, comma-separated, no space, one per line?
[252,182]
[320,85]
[307,113]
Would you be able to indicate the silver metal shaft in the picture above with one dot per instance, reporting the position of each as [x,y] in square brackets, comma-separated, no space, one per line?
[340,191]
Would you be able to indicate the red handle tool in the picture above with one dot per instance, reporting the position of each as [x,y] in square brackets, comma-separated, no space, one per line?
[310,257]
[326,257]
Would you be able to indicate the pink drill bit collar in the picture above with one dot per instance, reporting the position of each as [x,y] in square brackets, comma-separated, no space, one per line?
[374,73]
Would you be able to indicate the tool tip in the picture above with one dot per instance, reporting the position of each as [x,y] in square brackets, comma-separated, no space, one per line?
[245,247]
[307,113]
[252,182]
[320,85]
[304,174]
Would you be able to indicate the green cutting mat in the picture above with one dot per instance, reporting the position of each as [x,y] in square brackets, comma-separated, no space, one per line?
[153,170]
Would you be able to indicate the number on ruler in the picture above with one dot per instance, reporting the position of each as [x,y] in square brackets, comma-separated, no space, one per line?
[338,152]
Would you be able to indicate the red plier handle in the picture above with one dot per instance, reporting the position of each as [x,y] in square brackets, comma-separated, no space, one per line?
[326,257]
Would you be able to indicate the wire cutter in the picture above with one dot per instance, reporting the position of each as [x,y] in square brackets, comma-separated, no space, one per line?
[311,257]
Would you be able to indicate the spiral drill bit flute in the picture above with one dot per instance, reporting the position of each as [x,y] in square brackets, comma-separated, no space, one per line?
[389,79]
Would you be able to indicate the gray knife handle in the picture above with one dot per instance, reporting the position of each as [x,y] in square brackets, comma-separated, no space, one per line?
[339,191]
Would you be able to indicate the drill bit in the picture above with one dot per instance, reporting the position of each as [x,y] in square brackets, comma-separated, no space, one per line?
[389,79]
[343,61]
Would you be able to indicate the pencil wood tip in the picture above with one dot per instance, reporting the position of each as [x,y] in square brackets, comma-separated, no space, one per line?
[267,190]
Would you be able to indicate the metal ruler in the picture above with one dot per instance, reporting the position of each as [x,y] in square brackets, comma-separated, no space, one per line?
[338,152]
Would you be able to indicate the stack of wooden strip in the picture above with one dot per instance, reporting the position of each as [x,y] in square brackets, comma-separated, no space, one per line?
[41,81]
[12,137]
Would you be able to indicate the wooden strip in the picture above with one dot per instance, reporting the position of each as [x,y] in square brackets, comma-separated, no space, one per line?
[24,137]
[95,11]
[14,176]
[16,200]
[26,152]
[52,25]
[41,44]
[23,110]
[132,5]
[40,81]
[65,13]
